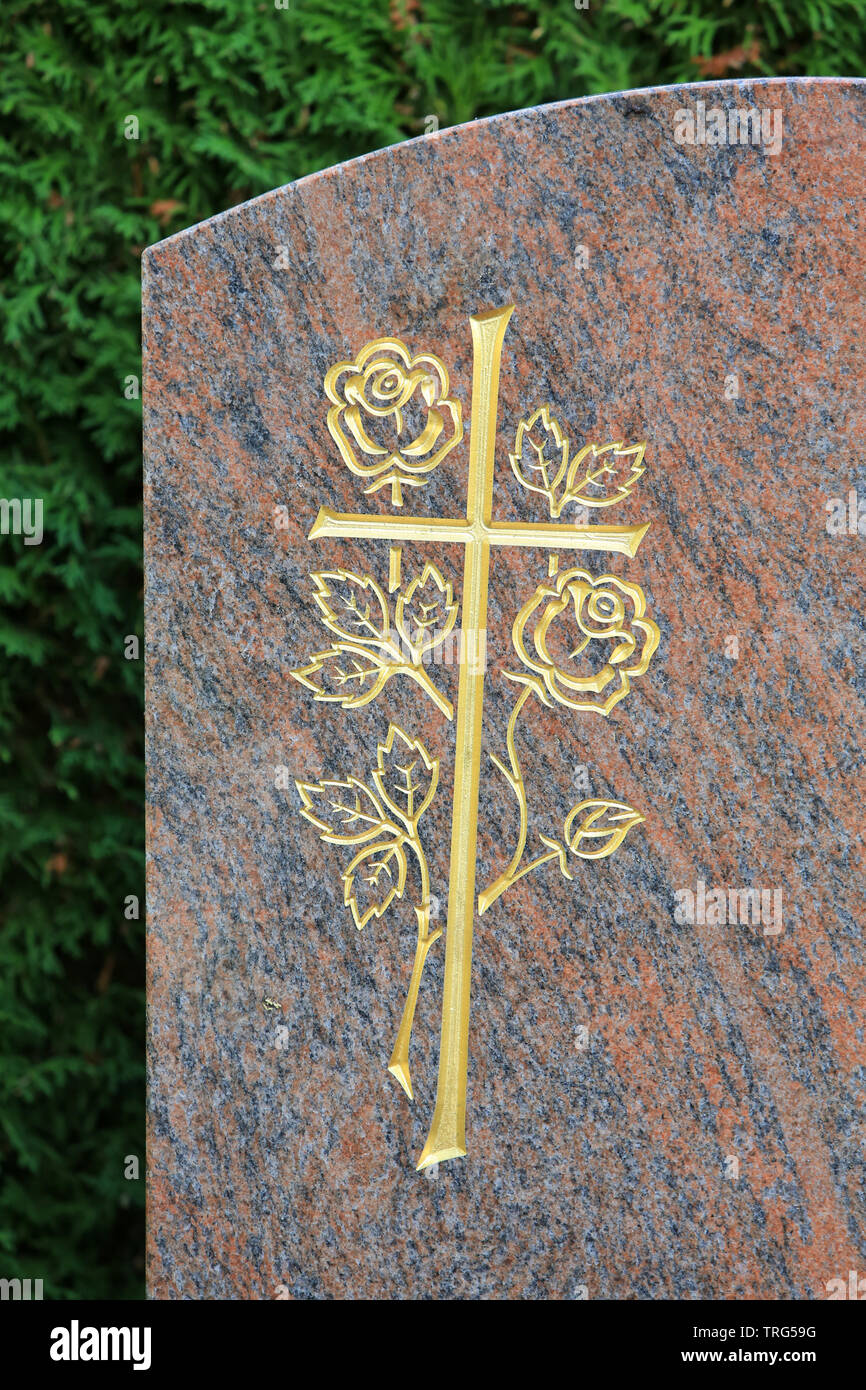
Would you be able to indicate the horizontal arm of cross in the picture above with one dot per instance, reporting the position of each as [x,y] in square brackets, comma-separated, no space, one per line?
[622,539]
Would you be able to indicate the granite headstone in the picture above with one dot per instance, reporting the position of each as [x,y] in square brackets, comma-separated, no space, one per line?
[643,313]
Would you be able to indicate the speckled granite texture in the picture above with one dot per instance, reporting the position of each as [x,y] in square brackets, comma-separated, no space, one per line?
[281,1152]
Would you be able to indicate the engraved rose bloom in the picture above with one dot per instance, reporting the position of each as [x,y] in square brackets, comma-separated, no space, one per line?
[391,417]
[585,638]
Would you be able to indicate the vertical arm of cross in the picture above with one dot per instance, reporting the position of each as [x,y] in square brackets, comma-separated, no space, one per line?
[447,1138]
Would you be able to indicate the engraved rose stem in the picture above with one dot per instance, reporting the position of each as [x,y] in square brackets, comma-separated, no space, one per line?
[514,777]
[399,1063]
[505,880]
[418,674]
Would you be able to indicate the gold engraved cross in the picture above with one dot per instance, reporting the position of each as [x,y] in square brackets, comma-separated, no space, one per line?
[477,532]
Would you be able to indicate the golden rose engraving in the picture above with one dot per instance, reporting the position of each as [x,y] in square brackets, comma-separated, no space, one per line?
[373,399]
[584,640]
[588,638]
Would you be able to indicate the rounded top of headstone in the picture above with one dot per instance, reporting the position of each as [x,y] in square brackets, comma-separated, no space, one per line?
[627,125]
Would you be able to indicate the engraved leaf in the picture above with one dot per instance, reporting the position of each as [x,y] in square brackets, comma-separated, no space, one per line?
[375,877]
[540,458]
[350,674]
[594,829]
[426,611]
[352,605]
[601,475]
[344,813]
[405,775]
